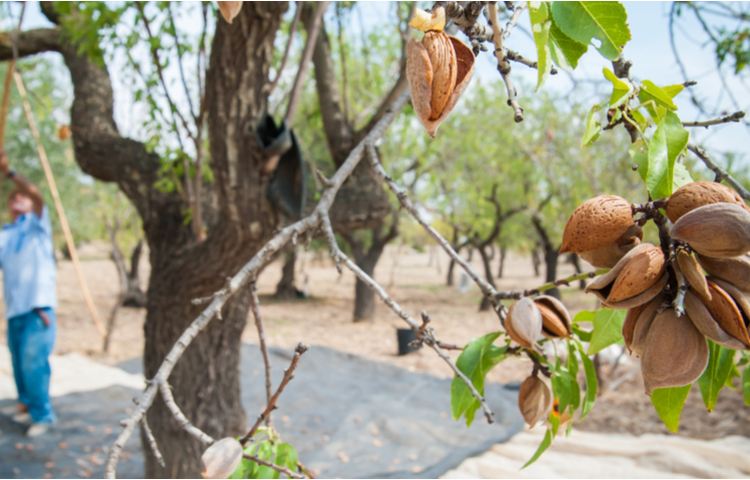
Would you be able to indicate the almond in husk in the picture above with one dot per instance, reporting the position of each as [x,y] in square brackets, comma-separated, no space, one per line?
[556,321]
[636,279]
[637,322]
[221,459]
[608,255]
[596,223]
[698,194]
[719,230]
[534,400]
[524,322]
[735,270]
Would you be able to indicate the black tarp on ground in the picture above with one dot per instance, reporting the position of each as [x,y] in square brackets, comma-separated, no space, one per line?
[329,412]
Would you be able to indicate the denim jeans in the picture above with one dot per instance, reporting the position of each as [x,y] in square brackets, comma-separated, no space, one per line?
[30,342]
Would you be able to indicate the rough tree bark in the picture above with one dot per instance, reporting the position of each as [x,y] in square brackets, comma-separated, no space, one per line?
[550,255]
[503,254]
[285,289]
[206,378]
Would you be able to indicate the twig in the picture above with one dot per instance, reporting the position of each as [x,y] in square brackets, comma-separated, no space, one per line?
[735,117]
[152,442]
[292,29]
[273,466]
[513,20]
[166,394]
[255,306]
[514,56]
[312,37]
[503,66]
[403,198]
[244,274]
[721,174]
[425,334]
[288,375]
[466,19]
[518,294]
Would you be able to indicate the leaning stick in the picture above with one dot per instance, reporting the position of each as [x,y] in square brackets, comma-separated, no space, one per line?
[6,101]
[58,204]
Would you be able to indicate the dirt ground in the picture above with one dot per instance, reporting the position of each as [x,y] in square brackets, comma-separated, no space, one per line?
[417,282]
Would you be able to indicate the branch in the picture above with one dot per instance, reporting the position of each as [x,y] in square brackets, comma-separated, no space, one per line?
[426,335]
[466,19]
[255,306]
[735,117]
[503,66]
[312,38]
[30,42]
[245,273]
[273,466]
[152,442]
[292,29]
[519,294]
[166,393]
[517,57]
[288,376]
[721,174]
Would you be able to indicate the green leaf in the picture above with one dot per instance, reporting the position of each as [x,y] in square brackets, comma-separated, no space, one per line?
[607,329]
[542,447]
[565,389]
[720,363]
[733,373]
[668,403]
[681,176]
[673,90]
[655,100]
[639,154]
[572,363]
[540,26]
[267,452]
[592,384]
[475,361]
[289,455]
[621,90]
[638,117]
[668,142]
[584,316]
[584,21]
[746,385]
[582,334]
[564,50]
[593,128]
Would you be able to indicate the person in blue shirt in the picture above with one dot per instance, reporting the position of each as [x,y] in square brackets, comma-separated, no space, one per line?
[29,287]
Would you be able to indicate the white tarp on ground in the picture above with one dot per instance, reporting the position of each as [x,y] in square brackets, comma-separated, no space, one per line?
[70,373]
[597,455]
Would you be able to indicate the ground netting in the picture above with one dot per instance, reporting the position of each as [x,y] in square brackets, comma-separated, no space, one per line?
[347,417]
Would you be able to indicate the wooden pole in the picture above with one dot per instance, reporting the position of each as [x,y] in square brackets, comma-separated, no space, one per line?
[58,204]
[6,100]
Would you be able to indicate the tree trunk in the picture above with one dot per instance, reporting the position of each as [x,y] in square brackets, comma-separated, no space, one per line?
[486,304]
[550,262]
[503,253]
[451,266]
[536,262]
[285,289]
[364,296]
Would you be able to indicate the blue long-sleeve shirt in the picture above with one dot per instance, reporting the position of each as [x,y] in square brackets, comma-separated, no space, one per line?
[28,262]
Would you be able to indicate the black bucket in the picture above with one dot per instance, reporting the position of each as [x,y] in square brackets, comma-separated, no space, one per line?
[405,337]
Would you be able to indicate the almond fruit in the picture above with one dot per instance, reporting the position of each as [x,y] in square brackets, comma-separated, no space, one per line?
[596,223]
[637,322]
[698,194]
[675,352]
[438,69]
[735,270]
[706,324]
[608,255]
[719,230]
[694,275]
[635,280]
[556,321]
[524,322]
[534,400]
[222,458]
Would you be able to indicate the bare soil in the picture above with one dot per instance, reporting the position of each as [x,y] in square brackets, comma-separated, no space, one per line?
[417,282]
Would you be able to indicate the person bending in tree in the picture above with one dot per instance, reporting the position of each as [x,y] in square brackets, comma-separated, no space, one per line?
[29,286]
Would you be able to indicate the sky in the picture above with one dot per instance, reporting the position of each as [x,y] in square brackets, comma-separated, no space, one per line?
[649,50]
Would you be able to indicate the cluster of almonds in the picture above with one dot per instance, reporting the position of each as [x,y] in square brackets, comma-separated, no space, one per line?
[527,319]
[710,221]
[438,69]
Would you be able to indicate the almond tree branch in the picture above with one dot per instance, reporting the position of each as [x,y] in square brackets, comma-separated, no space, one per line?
[502,64]
[255,306]
[426,335]
[721,174]
[166,394]
[312,37]
[288,376]
[152,442]
[246,273]
[273,466]
[292,29]
[735,117]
